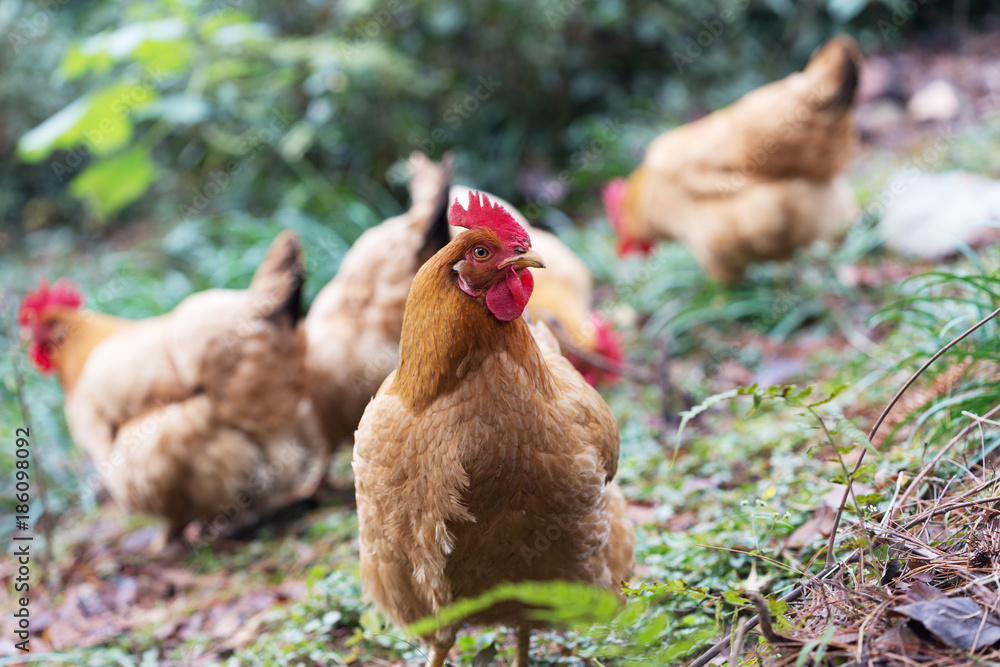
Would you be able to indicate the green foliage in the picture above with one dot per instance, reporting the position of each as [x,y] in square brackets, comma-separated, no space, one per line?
[113,183]
[562,602]
[933,310]
[315,106]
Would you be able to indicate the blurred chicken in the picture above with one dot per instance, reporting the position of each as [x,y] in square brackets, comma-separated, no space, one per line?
[197,414]
[753,181]
[354,323]
[484,438]
[563,299]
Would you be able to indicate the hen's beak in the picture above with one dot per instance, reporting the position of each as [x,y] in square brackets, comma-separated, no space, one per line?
[530,258]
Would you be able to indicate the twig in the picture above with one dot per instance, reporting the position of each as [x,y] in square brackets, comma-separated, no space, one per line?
[920,516]
[984,420]
[739,634]
[792,596]
[892,511]
[950,508]
[764,616]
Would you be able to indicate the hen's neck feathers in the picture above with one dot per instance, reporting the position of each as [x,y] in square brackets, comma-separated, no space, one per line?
[84,329]
[447,334]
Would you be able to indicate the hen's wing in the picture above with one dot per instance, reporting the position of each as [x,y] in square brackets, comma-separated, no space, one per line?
[390,443]
[586,402]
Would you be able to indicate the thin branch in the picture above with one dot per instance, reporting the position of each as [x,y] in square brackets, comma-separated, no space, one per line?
[930,466]
[792,596]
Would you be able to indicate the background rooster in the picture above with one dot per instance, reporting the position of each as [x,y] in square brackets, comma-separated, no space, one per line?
[482,438]
[194,413]
[354,323]
[753,181]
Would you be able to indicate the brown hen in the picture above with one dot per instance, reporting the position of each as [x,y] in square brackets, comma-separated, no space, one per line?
[484,438]
[198,414]
[753,181]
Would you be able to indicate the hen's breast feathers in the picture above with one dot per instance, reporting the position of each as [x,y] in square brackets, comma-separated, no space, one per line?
[495,453]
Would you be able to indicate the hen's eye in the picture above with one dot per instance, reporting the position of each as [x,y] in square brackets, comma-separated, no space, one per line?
[480,252]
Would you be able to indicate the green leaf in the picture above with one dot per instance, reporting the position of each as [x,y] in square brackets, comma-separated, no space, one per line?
[372,622]
[110,185]
[77,62]
[59,131]
[222,19]
[100,120]
[652,630]
[843,11]
[163,45]
[688,415]
[834,394]
[165,56]
[848,428]
[557,602]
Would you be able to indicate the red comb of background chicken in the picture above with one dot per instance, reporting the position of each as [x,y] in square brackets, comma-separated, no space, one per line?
[608,345]
[613,195]
[62,293]
[487,214]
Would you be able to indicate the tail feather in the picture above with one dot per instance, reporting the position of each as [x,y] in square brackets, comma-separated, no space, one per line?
[280,277]
[438,232]
[838,64]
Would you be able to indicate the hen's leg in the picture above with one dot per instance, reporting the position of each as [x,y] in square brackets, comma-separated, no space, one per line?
[170,543]
[316,486]
[523,643]
[438,655]
[312,435]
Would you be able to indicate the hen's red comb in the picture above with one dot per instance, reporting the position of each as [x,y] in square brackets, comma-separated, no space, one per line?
[492,216]
[613,195]
[62,293]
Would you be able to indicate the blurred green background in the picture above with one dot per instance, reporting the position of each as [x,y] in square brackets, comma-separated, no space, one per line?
[117,113]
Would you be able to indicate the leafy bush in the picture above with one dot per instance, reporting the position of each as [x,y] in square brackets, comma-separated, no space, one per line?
[176,110]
